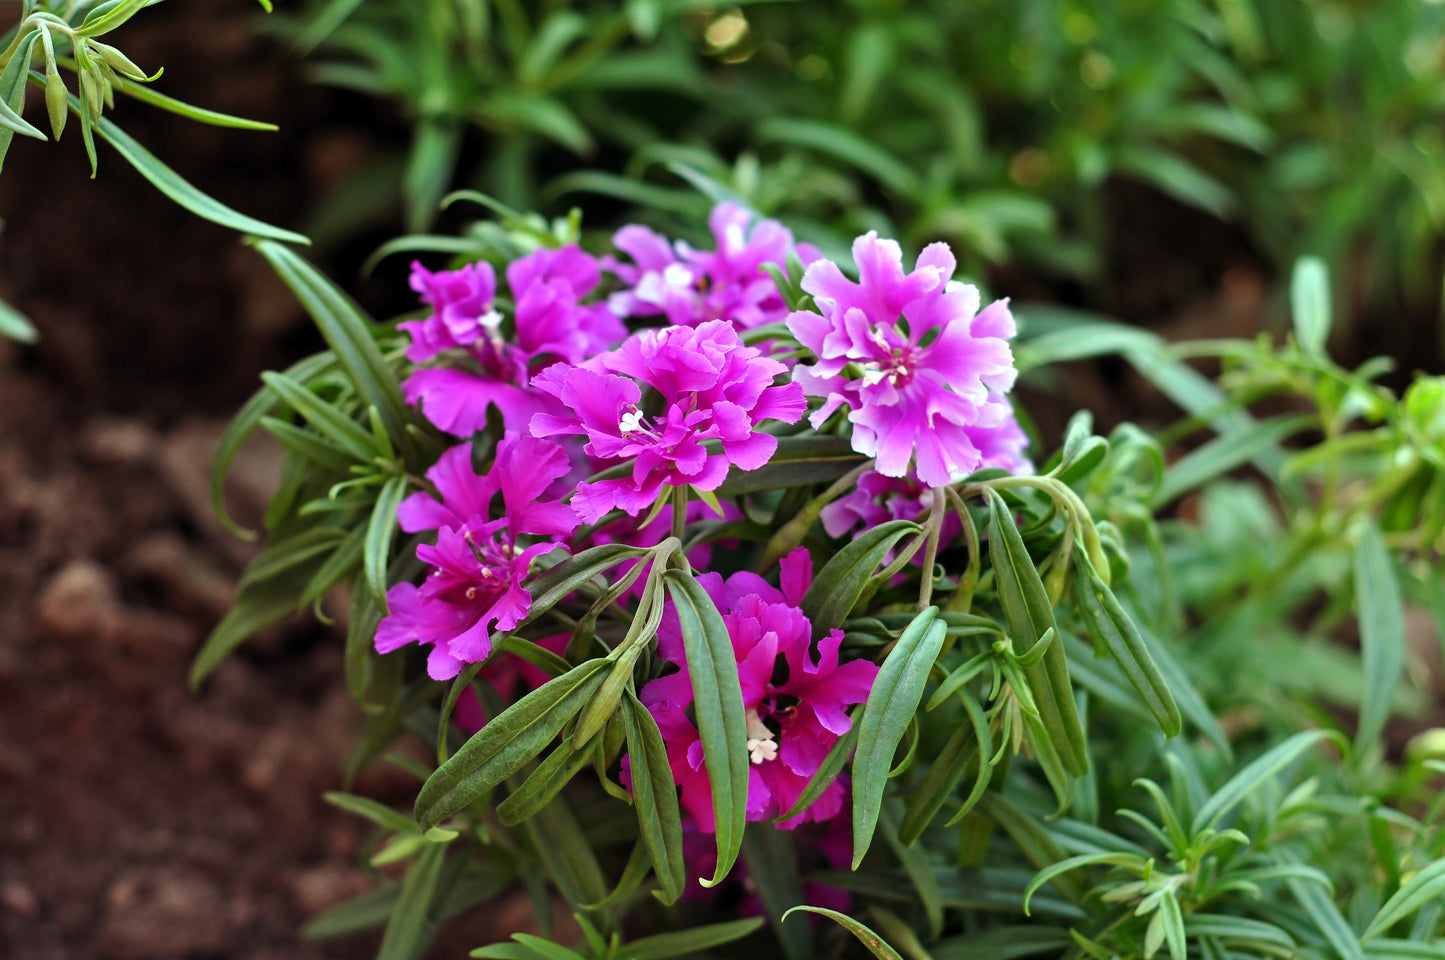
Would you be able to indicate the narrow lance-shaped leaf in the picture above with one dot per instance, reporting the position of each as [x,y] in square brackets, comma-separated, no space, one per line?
[891,706]
[1382,632]
[12,86]
[410,928]
[544,783]
[876,945]
[1113,629]
[686,943]
[842,580]
[721,723]
[376,554]
[506,743]
[1029,615]
[1254,775]
[654,796]
[1427,886]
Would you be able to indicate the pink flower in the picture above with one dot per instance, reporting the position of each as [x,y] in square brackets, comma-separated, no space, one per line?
[712,388]
[548,321]
[795,692]
[911,357]
[878,498]
[693,286]
[477,564]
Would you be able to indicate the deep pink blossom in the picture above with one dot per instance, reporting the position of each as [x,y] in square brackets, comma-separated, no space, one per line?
[549,322]
[477,565]
[910,355]
[877,498]
[712,387]
[795,691]
[693,286]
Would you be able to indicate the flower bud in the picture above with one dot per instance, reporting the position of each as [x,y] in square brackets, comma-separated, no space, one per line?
[55,99]
[118,61]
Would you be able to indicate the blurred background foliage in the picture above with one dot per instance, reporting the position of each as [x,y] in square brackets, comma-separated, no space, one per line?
[999,126]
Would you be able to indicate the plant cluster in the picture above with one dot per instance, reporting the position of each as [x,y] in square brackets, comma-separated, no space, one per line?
[748,541]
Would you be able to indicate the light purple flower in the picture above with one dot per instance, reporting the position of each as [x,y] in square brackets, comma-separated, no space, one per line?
[549,321]
[477,565]
[795,692]
[910,355]
[712,387]
[693,286]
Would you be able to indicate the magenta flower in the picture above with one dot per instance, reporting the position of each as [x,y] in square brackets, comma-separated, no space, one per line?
[477,565]
[795,692]
[910,355]
[549,321]
[712,387]
[878,498]
[693,286]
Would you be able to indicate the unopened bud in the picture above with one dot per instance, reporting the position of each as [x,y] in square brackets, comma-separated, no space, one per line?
[55,99]
[90,84]
[119,62]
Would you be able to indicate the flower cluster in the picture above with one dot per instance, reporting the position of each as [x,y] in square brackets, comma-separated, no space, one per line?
[921,372]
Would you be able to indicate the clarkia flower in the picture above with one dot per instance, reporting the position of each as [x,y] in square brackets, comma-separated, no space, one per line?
[549,321]
[916,363]
[693,286]
[477,565]
[711,387]
[878,498]
[795,692]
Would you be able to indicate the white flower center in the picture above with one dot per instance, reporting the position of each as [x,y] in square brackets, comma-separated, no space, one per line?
[761,745]
[631,422]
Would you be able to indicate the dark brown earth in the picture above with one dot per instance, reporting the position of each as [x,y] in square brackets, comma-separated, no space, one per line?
[138,820]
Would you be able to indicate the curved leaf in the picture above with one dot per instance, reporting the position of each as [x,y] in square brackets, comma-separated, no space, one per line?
[721,724]
[876,945]
[654,796]
[842,580]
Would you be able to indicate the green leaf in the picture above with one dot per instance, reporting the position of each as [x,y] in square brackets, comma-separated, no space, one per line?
[567,854]
[1253,776]
[773,873]
[1241,930]
[1225,452]
[1309,300]
[324,418]
[324,23]
[799,462]
[842,580]
[891,706]
[506,743]
[305,443]
[1427,886]
[1113,629]
[347,331]
[1191,704]
[1327,919]
[167,181]
[263,403]
[718,696]
[688,942]
[12,89]
[258,605]
[544,783]
[1082,341]
[199,114]
[843,145]
[654,796]
[107,17]
[919,868]
[1177,177]
[1382,632]
[553,584]
[370,909]
[376,553]
[970,745]
[15,123]
[876,945]
[546,949]
[1029,614]
[1130,860]
[1003,943]
[410,928]
[378,813]
[16,325]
